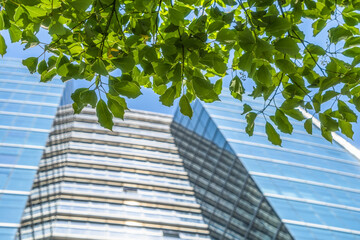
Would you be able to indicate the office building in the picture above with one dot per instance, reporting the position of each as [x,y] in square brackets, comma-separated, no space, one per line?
[128,183]
[27,110]
[202,178]
[306,189]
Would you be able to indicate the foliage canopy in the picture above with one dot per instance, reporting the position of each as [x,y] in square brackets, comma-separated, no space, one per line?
[184,48]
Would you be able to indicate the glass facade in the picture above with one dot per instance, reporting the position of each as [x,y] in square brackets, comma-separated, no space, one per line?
[311,184]
[232,204]
[27,110]
[128,183]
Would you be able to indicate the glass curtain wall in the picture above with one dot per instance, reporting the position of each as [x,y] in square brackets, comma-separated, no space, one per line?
[232,204]
[27,110]
[311,184]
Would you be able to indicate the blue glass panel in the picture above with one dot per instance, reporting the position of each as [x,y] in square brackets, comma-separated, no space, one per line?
[319,214]
[262,138]
[48,110]
[52,99]
[308,191]
[210,130]
[280,154]
[30,157]
[43,123]
[20,96]
[14,136]
[5,95]
[20,179]
[9,155]
[300,173]
[7,120]
[34,109]
[7,233]
[37,98]
[11,207]
[11,85]
[37,138]
[12,107]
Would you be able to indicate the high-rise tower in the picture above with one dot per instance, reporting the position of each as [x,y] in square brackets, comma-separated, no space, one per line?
[27,110]
[128,183]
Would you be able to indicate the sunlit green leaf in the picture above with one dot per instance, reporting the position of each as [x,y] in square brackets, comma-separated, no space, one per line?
[31,63]
[2,45]
[288,46]
[185,107]
[273,136]
[104,115]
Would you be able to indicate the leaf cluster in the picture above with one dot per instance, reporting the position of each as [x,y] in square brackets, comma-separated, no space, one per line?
[184,49]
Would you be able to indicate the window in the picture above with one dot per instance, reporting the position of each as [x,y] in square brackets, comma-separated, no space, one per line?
[171,234]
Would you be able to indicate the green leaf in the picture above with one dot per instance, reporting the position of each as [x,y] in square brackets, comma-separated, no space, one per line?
[250,120]
[126,64]
[351,42]
[31,63]
[246,109]
[2,45]
[295,114]
[339,33]
[308,125]
[273,136]
[285,66]
[282,122]
[318,25]
[99,67]
[246,61]
[185,107]
[204,89]
[62,65]
[168,97]
[346,128]
[15,33]
[229,2]
[287,46]
[117,105]
[329,123]
[352,52]
[42,67]
[176,17]
[236,88]
[218,86]
[104,115]
[129,89]
[36,11]
[329,95]
[78,105]
[89,97]
[48,75]
[263,76]
[57,28]
[315,49]
[356,101]
[349,18]
[278,27]
[226,36]
[346,112]
[2,23]
[81,5]
[246,39]
[215,61]
[215,26]
[326,134]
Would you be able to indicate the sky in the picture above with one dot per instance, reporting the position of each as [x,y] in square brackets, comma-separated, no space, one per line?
[148,101]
